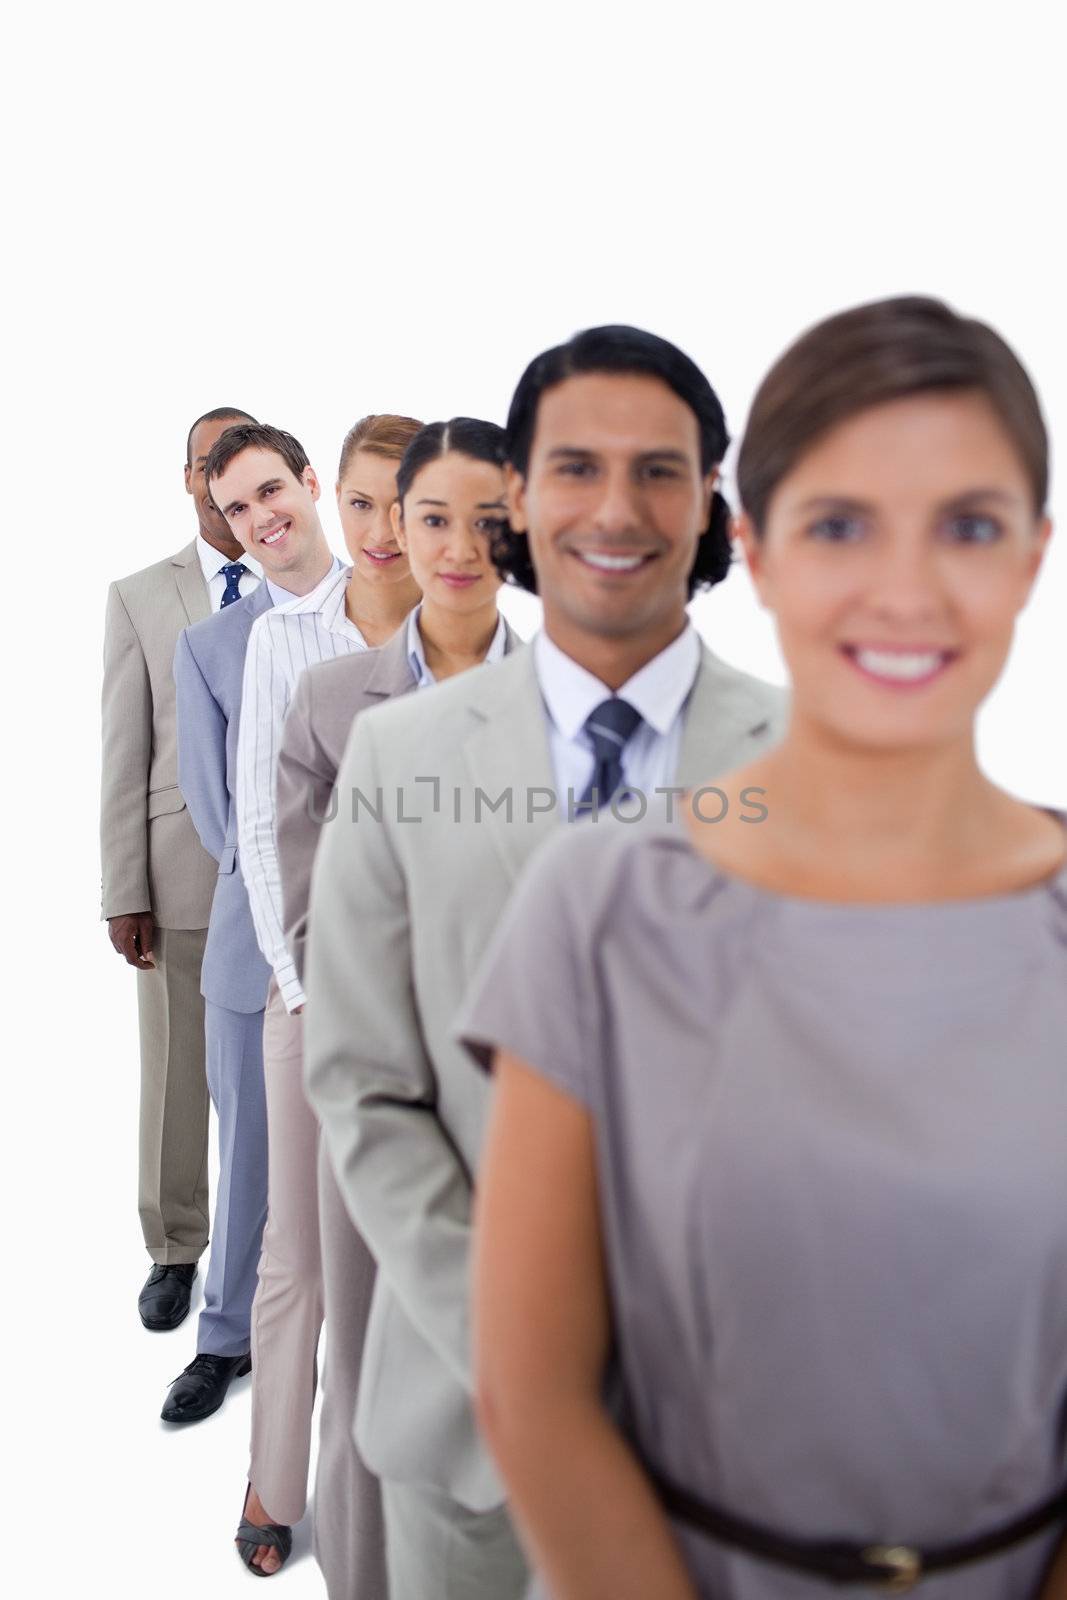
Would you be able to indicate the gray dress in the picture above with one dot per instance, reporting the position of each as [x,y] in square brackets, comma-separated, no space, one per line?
[832,1160]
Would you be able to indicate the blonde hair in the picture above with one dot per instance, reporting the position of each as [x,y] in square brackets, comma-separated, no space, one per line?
[383,434]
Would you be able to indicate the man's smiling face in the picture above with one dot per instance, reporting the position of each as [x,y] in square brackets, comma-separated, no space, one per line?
[271,512]
[613,501]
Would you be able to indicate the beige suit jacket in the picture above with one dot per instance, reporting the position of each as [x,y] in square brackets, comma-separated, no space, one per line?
[402,910]
[152,859]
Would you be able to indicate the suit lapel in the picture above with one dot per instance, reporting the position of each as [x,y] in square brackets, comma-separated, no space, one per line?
[243,614]
[391,673]
[259,600]
[720,719]
[233,646]
[192,590]
[507,752]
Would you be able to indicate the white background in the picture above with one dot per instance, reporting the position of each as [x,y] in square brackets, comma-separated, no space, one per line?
[312,216]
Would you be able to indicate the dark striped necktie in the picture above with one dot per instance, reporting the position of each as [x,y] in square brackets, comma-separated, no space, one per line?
[609,727]
[232,572]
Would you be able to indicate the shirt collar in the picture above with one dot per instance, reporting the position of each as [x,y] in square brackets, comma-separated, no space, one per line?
[320,597]
[658,691]
[312,601]
[335,618]
[279,597]
[212,561]
[417,654]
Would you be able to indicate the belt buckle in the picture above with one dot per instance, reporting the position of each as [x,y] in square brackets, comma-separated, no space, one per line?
[903,1562]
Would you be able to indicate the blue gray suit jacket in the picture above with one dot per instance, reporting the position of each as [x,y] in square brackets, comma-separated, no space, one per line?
[208,672]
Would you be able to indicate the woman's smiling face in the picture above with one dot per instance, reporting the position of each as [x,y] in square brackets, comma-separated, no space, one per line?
[452,508]
[896,555]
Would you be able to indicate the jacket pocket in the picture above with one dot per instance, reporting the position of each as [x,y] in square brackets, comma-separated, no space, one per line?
[162,802]
[228,859]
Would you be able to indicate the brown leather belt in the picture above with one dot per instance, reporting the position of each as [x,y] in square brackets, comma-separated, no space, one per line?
[891,1568]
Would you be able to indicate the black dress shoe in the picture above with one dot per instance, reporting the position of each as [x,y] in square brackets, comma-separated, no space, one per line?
[164,1300]
[201,1388]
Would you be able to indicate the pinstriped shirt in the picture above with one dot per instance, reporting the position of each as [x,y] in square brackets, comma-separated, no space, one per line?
[283,642]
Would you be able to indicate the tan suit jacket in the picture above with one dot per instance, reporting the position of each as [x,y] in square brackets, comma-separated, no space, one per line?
[402,911]
[152,859]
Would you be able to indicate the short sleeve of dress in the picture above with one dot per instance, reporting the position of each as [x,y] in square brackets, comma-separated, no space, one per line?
[534,994]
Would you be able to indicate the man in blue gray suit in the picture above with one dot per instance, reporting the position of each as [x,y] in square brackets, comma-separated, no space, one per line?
[260,480]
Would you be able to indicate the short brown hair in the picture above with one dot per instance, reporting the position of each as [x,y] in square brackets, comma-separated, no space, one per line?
[382,434]
[254,436]
[872,354]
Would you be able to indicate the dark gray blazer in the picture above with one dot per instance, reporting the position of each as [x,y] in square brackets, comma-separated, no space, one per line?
[327,699]
[208,671]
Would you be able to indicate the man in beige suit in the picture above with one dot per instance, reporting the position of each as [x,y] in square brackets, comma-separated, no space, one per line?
[158,879]
[613,445]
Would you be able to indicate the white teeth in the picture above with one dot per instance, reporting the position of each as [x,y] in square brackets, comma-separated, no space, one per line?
[376,555]
[272,538]
[886,664]
[605,563]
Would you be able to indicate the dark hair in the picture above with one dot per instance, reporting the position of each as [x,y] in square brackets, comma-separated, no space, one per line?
[219,414]
[872,354]
[470,436]
[382,433]
[254,436]
[622,350]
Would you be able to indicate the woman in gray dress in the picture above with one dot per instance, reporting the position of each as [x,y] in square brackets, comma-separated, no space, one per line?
[771,1281]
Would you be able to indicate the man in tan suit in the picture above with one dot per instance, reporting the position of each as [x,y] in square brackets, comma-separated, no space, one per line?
[158,879]
[613,446]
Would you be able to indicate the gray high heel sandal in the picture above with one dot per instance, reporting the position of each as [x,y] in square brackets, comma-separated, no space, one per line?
[251,1535]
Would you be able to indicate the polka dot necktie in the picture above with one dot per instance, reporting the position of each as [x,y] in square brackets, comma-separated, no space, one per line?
[609,727]
[232,572]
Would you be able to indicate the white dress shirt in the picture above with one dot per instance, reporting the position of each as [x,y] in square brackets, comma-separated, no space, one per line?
[417,655]
[212,562]
[282,643]
[659,692]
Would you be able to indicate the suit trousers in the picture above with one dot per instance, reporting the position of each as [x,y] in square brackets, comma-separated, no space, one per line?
[235,1078]
[349,1529]
[172,1166]
[304,1237]
[437,1549]
[287,1311]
